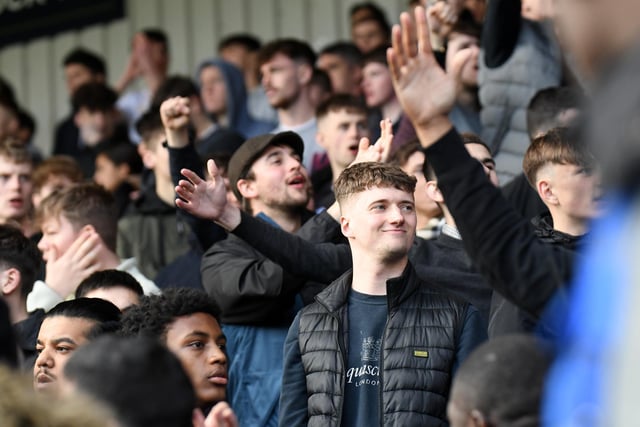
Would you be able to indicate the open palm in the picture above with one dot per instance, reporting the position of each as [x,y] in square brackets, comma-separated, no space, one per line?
[424,89]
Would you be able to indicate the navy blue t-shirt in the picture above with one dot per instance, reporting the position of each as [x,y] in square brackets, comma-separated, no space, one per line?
[367,318]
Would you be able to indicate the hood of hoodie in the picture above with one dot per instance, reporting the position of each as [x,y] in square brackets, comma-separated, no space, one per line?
[236,91]
[544,231]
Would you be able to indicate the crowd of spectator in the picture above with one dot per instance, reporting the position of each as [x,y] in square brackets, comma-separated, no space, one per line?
[408,228]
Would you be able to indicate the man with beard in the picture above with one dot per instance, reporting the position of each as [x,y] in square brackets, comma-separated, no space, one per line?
[286,66]
[258,298]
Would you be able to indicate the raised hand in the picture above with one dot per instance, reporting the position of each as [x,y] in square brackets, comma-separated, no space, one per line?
[174,113]
[221,415]
[441,18]
[207,199]
[427,93]
[379,152]
[64,272]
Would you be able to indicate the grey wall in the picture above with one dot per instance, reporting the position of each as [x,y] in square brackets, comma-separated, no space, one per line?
[194,28]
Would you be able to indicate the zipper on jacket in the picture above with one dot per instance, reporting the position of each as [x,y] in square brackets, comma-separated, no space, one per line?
[342,356]
[381,370]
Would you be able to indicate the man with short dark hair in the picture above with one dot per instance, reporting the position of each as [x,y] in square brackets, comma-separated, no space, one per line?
[549,108]
[341,61]
[123,373]
[99,123]
[186,321]
[81,66]
[370,28]
[118,287]
[149,61]
[378,91]
[342,122]
[379,345]
[150,231]
[20,265]
[64,328]
[501,383]
[241,50]
[286,66]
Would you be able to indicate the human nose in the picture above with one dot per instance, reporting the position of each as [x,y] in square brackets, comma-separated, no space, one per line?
[396,215]
[14,182]
[44,359]
[217,356]
[42,244]
[294,163]
[265,79]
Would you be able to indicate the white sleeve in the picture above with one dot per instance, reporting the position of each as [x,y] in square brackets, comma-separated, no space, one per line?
[42,296]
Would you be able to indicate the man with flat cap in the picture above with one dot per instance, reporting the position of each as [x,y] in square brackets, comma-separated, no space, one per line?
[259,299]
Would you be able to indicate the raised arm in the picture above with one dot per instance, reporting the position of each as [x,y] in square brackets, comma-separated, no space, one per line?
[501,244]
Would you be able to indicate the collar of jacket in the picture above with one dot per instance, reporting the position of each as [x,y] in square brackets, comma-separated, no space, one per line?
[398,289]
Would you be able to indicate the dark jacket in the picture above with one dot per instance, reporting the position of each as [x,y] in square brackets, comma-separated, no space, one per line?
[502,244]
[523,197]
[152,233]
[507,318]
[442,261]
[258,301]
[413,388]
[69,143]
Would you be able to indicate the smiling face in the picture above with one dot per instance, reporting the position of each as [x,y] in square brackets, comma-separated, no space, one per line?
[15,190]
[380,222]
[58,337]
[197,340]
[277,180]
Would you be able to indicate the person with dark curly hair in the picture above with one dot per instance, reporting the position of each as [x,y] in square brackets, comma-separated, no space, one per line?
[186,321]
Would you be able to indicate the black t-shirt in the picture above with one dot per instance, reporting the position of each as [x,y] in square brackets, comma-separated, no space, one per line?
[367,319]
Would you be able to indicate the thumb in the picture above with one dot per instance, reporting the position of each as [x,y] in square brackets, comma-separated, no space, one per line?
[212,168]
[197,419]
[457,64]
[364,144]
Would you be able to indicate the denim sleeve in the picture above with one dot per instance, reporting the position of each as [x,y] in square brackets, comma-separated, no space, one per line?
[293,397]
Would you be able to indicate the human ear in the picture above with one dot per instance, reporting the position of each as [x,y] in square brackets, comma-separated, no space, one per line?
[545,191]
[304,74]
[247,188]
[433,192]
[345,227]
[10,280]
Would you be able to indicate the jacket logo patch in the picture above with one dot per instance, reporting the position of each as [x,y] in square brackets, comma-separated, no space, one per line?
[421,353]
